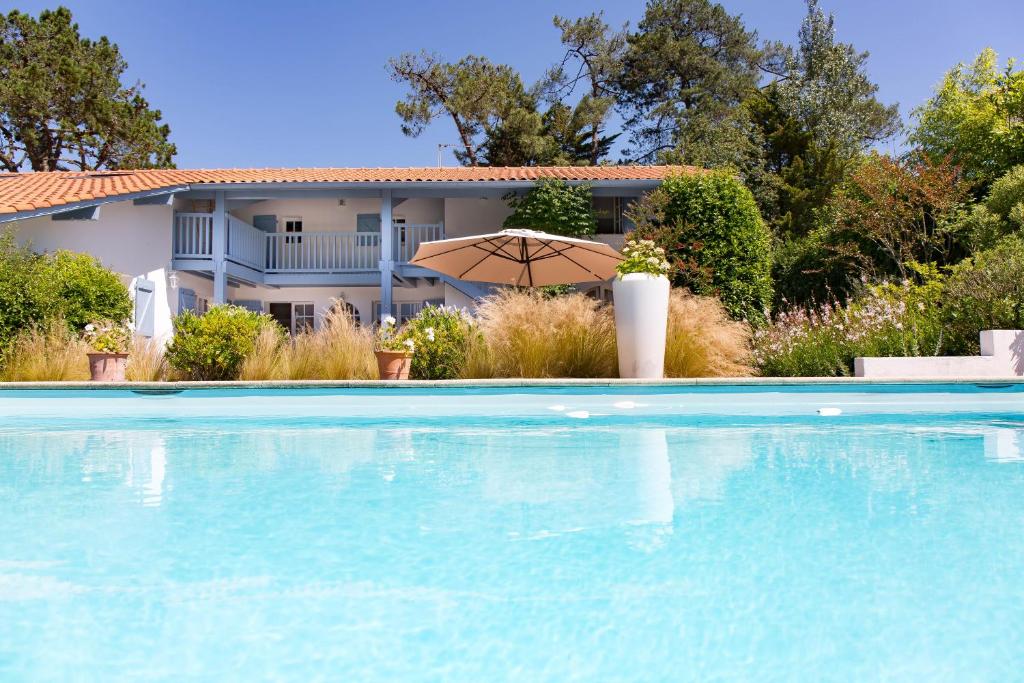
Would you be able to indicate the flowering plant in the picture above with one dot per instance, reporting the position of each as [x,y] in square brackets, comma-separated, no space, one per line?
[642,256]
[107,336]
[888,319]
[441,334]
[390,337]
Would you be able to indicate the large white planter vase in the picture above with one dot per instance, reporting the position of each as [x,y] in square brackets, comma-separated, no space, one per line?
[641,318]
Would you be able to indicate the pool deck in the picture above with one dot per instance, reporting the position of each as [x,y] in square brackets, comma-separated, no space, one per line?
[507,383]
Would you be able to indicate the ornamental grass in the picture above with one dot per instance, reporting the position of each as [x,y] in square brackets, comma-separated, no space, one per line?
[703,341]
[146,361]
[47,352]
[340,349]
[523,333]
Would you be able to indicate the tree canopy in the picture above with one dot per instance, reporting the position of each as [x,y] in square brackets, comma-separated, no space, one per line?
[64,105]
[976,118]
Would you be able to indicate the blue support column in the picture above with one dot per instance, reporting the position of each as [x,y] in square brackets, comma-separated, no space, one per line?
[387,253]
[220,242]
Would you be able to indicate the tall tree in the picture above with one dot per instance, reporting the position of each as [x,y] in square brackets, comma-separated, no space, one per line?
[593,56]
[816,121]
[686,71]
[63,104]
[473,92]
[976,117]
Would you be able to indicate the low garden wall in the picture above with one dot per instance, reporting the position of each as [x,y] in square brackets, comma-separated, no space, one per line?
[1002,355]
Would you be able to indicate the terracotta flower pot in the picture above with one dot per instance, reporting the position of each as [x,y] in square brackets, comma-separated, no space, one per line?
[107,367]
[393,364]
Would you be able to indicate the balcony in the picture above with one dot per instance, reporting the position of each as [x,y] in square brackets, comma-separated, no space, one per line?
[306,253]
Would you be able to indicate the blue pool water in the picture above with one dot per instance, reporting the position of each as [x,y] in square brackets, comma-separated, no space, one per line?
[488,535]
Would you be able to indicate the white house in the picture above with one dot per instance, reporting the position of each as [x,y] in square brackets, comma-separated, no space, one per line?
[288,242]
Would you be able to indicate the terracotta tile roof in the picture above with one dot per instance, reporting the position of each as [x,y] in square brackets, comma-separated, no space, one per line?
[33,191]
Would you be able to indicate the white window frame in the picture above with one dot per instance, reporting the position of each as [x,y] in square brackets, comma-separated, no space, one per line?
[282,224]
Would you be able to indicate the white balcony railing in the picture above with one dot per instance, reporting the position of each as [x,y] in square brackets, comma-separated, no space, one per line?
[320,252]
[305,252]
[193,235]
[409,237]
[246,245]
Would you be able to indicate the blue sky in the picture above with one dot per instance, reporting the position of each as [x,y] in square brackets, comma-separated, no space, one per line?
[300,83]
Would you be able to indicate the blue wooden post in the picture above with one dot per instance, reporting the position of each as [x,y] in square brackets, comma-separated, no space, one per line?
[387,253]
[220,241]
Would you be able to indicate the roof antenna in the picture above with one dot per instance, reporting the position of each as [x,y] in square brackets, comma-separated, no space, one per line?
[440,149]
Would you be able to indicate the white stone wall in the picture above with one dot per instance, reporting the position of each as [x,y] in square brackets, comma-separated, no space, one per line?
[1002,355]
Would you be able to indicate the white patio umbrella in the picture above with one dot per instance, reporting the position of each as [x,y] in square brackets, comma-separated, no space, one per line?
[520,257]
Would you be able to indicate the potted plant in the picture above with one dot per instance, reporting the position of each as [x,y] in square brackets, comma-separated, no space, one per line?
[109,342]
[640,293]
[393,349]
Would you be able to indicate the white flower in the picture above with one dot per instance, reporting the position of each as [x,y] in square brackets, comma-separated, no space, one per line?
[90,327]
[653,261]
[411,344]
[388,320]
[430,334]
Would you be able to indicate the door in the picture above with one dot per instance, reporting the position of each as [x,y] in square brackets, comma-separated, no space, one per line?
[282,313]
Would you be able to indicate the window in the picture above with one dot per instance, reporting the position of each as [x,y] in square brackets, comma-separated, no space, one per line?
[302,316]
[402,311]
[292,224]
[294,317]
[609,215]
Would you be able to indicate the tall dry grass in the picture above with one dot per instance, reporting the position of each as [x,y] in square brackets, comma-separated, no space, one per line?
[524,334]
[49,352]
[339,349]
[703,341]
[146,362]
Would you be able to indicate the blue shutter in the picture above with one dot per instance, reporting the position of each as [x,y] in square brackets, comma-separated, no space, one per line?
[144,302]
[186,300]
[265,223]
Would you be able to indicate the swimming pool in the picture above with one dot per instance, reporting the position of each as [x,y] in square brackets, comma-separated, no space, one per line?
[585,533]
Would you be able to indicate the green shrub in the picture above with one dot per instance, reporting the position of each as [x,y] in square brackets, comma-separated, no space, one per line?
[887,320]
[712,232]
[37,288]
[556,207]
[440,334]
[21,305]
[985,292]
[85,290]
[1007,193]
[213,346]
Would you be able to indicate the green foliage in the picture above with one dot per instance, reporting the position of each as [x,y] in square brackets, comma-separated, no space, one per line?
[74,288]
[815,122]
[555,207]
[686,69]
[441,336]
[213,346]
[976,118]
[21,301]
[715,240]
[84,290]
[473,92]
[1006,198]
[887,320]
[985,292]
[63,104]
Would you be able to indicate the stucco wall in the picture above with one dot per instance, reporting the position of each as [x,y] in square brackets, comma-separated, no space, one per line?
[132,240]
[326,215]
[473,216]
